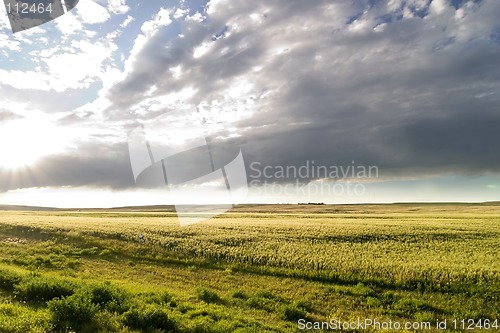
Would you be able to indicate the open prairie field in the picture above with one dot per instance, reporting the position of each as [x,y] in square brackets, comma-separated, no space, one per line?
[274,268]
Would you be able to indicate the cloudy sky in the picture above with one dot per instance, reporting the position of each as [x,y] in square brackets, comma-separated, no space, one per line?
[411,87]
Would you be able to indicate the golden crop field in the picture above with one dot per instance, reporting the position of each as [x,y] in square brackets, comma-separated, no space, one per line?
[273,268]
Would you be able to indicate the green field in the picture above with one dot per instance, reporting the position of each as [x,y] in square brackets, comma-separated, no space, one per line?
[253,269]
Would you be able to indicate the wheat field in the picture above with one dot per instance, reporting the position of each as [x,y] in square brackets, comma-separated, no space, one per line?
[255,268]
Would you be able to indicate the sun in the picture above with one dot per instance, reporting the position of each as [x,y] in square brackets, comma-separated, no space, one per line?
[24,142]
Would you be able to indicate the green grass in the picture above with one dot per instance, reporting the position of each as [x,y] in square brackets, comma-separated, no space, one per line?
[254,269]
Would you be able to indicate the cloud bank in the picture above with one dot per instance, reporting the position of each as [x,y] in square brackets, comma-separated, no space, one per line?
[410,86]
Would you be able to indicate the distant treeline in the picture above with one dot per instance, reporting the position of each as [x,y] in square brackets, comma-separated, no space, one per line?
[311,203]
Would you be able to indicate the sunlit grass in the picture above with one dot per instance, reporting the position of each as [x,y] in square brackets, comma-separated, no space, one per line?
[403,262]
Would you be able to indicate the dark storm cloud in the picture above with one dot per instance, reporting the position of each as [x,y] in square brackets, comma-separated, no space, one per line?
[411,93]
[329,82]
[94,166]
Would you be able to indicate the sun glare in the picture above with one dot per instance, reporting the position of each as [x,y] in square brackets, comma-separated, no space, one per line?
[24,142]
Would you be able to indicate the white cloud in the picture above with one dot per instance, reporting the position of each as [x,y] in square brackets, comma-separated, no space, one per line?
[24,80]
[4,19]
[9,43]
[118,6]
[161,19]
[438,6]
[69,24]
[139,43]
[127,21]
[91,12]
[80,69]
[63,67]
[202,49]
[179,12]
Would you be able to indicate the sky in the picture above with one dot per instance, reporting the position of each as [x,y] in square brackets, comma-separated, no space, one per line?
[409,89]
